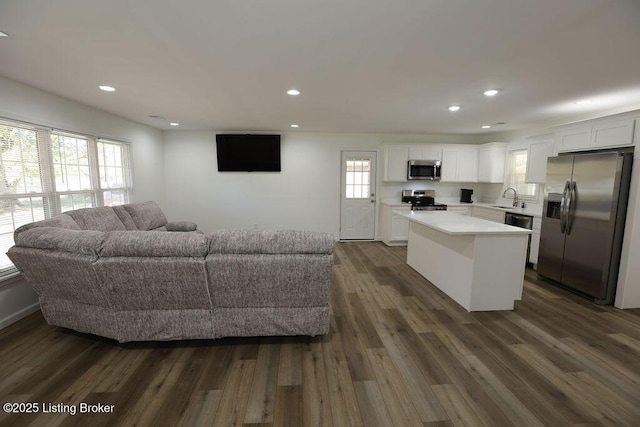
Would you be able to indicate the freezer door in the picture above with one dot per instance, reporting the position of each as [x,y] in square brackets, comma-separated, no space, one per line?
[590,225]
[559,171]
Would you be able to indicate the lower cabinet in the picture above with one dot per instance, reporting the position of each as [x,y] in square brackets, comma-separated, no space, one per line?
[394,228]
[535,241]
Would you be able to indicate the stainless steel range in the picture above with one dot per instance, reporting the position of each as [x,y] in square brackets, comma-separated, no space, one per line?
[422,200]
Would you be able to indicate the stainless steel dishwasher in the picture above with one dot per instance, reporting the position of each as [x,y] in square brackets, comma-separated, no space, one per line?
[522,221]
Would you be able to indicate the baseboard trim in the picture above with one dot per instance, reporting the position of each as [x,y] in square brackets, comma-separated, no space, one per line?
[9,320]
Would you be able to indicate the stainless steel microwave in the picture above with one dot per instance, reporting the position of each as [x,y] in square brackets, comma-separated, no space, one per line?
[423,169]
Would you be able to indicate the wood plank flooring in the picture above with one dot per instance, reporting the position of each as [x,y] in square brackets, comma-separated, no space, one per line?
[400,353]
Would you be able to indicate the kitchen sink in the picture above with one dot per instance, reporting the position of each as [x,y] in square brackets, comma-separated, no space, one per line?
[502,207]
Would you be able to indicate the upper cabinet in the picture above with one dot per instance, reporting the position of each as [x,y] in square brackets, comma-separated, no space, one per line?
[574,139]
[614,133]
[394,167]
[491,160]
[396,156]
[425,152]
[596,135]
[459,163]
[539,152]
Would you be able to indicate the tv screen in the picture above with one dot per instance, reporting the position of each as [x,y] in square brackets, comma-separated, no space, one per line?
[248,153]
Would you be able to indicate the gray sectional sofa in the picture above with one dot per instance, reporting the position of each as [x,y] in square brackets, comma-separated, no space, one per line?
[125,273]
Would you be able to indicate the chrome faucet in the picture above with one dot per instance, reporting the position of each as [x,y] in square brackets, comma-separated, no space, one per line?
[515,196]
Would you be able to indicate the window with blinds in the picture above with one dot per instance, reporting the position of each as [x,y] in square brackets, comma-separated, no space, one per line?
[518,176]
[45,172]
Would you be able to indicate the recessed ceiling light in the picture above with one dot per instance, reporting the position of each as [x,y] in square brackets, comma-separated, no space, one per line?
[583,101]
[454,108]
[295,126]
[3,34]
[293,92]
[486,127]
[174,124]
[491,92]
[107,88]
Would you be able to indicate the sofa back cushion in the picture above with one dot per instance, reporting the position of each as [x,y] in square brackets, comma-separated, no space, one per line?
[154,244]
[86,242]
[125,217]
[271,242]
[100,219]
[60,221]
[146,215]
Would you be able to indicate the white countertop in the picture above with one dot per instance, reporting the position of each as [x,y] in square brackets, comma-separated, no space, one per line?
[532,210]
[453,223]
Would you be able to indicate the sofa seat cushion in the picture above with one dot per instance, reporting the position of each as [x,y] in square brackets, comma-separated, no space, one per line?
[271,242]
[102,218]
[153,244]
[146,215]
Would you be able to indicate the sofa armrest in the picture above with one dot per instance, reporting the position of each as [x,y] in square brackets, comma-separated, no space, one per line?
[153,244]
[86,242]
[181,226]
[271,242]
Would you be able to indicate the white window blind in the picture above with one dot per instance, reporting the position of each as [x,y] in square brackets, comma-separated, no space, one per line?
[115,176]
[45,172]
[518,176]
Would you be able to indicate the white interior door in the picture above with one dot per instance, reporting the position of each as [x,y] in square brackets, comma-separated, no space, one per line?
[357,195]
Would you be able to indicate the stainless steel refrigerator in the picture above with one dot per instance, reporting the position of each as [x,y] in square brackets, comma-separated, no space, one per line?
[585,204]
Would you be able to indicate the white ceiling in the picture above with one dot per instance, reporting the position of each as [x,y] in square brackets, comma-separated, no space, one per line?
[374,66]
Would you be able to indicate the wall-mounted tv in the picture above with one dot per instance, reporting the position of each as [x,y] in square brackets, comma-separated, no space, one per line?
[248,153]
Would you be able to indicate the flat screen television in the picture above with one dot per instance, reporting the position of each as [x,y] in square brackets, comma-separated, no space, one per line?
[248,153]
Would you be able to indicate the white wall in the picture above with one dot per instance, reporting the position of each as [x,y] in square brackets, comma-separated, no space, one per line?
[21,102]
[303,196]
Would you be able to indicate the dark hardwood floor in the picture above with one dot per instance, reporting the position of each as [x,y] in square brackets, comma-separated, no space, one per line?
[400,353]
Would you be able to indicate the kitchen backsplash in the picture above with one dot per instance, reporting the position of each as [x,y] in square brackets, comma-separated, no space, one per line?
[444,190]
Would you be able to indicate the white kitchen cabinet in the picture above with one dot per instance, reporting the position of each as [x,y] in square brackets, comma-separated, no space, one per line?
[425,152]
[539,152]
[490,214]
[596,135]
[394,228]
[395,158]
[574,139]
[491,159]
[459,164]
[615,133]
[535,241]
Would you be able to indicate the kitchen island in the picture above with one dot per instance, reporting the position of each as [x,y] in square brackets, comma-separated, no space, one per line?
[478,263]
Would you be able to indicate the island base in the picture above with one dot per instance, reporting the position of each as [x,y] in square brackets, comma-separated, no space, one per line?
[481,272]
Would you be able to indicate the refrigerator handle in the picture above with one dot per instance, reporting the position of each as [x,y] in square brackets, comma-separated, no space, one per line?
[563,207]
[570,207]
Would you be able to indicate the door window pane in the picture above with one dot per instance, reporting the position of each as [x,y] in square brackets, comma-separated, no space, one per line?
[357,178]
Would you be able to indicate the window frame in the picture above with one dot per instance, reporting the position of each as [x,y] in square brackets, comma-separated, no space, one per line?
[52,199]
